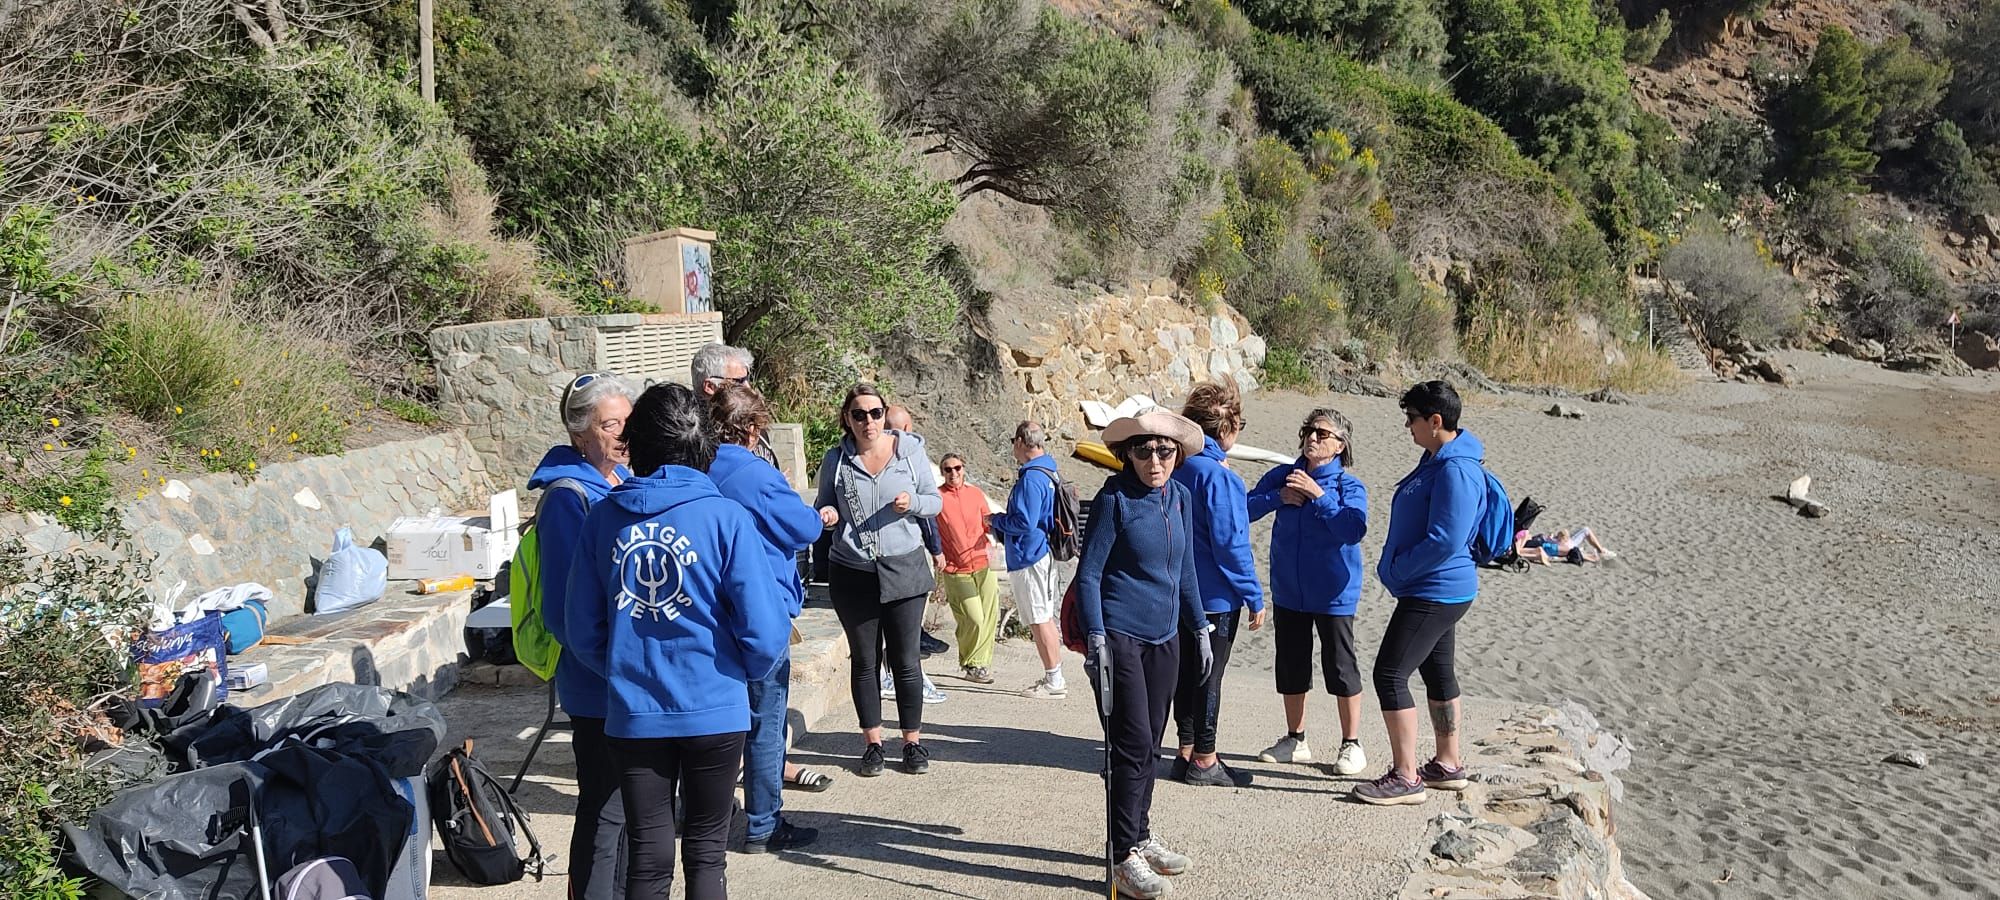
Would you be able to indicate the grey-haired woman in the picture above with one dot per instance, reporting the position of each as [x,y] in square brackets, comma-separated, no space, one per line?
[572,477]
[1322,512]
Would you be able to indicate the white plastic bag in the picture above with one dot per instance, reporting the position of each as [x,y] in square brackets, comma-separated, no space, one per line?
[351,577]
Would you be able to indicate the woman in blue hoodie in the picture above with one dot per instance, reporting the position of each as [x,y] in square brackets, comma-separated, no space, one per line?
[573,477]
[1427,566]
[1225,571]
[1136,597]
[1322,514]
[739,416]
[672,601]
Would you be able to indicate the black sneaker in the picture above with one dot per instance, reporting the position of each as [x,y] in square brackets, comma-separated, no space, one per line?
[786,837]
[916,759]
[930,646]
[871,762]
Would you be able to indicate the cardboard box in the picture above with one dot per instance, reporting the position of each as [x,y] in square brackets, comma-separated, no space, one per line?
[243,678]
[436,546]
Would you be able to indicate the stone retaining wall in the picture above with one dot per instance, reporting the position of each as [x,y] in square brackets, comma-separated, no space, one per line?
[275,528]
[1109,346]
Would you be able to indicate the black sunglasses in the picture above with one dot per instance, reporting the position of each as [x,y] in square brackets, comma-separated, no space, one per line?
[1161,452]
[1319,433]
[950,469]
[858,416]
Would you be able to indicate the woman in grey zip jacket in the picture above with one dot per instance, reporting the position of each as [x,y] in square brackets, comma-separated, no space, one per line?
[873,489]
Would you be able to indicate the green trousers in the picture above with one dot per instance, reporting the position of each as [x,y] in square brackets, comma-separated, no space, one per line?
[975,603]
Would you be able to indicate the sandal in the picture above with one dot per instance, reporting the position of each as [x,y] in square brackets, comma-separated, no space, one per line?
[809,780]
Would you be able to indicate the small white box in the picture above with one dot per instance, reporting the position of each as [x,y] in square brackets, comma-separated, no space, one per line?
[437,546]
[245,677]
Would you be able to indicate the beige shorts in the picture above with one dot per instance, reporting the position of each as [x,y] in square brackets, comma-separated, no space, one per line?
[1036,595]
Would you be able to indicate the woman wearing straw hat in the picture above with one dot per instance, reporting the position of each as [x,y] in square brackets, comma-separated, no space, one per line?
[1135,595]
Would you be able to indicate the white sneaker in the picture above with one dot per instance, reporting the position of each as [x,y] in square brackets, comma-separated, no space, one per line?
[1288,749]
[1134,877]
[1163,860]
[888,686]
[931,692]
[1041,690]
[1351,760]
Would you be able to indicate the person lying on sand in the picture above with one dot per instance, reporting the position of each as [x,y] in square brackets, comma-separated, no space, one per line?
[1577,547]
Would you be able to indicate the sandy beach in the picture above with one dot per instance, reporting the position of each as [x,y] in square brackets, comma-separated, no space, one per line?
[1761,663]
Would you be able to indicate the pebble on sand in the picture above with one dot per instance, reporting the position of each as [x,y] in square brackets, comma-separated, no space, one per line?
[1915,759]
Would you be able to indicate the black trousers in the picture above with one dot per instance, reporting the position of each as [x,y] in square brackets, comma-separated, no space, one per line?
[1142,682]
[870,624]
[704,769]
[1294,640]
[1420,637]
[1197,705]
[597,846]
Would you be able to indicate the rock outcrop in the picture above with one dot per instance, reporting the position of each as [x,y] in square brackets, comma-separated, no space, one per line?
[1108,346]
[1538,820]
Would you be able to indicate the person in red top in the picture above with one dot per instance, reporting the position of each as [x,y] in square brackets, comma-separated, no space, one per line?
[968,581]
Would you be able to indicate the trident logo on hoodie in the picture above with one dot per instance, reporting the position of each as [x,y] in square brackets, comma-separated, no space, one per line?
[651,561]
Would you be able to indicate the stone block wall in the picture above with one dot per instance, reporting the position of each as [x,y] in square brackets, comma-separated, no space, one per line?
[1108,347]
[273,529]
[501,381]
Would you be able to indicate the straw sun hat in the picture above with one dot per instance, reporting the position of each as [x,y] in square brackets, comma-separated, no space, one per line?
[1172,426]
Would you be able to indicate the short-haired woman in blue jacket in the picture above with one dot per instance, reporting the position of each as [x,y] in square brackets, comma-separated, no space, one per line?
[1322,512]
[1136,596]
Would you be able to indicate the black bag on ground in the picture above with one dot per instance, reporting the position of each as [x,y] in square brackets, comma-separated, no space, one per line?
[478,821]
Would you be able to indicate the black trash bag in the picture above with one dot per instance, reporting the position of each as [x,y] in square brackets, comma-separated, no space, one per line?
[390,727]
[185,837]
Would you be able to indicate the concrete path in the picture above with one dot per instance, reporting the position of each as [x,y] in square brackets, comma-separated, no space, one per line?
[1013,807]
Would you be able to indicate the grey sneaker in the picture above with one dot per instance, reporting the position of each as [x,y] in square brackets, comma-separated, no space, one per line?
[978,675]
[1041,690]
[1217,775]
[1437,775]
[1163,860]
[1288,749]
[1135,878]
[1390,790]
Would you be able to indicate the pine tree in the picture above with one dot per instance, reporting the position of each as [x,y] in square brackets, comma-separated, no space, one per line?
[1830,115]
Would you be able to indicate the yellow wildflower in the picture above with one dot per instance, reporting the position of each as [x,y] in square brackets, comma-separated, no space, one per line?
[131,451]
[55,422]
[253,465]
[177,410]
[142,493]
[65,501]
[48,448]
[293,437]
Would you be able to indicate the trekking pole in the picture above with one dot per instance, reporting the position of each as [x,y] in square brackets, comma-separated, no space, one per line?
[256,831]
[1103,662]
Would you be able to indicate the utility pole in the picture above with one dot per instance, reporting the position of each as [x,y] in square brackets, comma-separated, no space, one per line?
[426,64]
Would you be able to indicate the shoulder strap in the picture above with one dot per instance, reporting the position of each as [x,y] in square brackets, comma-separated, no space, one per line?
[512,812]
[568,484]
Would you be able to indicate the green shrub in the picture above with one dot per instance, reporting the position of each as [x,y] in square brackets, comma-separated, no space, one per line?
[1733,290]
[1643,44]
[1973,101]
[1829,115]
[1404,35]
[1956,178]
[1730,153]
[56,612]
[1897,294]
[1285,370]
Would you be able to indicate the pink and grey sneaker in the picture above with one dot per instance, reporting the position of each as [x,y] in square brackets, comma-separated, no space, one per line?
[1445,778]
[1390,790]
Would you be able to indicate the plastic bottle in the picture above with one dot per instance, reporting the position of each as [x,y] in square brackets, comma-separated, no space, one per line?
[440,585]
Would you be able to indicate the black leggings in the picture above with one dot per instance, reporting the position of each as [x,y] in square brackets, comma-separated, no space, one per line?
[870,623]
[1420,637]
[597,845]
[1142,681]
[1198,705]
[704,768]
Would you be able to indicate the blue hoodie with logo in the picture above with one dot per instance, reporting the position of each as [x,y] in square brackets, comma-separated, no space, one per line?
[1428,553]
[1223,566]
[558,526]
[1031,510]
[787,524]
[1315,546]
[672,601]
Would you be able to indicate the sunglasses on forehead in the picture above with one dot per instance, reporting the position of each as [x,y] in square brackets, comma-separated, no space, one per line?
[579,383]
[858,416]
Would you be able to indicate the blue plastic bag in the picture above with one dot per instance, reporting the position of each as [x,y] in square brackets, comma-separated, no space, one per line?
[244,626]
[352,576]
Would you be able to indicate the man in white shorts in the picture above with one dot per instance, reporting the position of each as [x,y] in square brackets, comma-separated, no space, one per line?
[1024,532]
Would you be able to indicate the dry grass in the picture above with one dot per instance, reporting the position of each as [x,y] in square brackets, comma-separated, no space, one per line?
[1558,354]
[507,277]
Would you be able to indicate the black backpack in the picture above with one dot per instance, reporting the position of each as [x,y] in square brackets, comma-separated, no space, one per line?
[478,820]
[1066,520]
